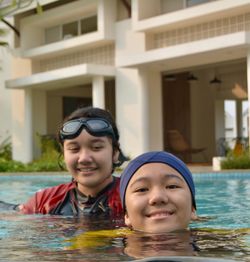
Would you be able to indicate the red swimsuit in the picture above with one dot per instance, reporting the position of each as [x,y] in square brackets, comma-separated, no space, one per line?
[62,200]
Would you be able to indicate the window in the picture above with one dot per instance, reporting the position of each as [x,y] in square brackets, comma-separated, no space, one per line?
[236,121]
[89,25]
[52,34]
[190,3]
[230,119]
[72,29]
[245,119]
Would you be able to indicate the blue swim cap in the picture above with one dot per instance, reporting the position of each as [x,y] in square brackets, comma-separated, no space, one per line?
[156,157]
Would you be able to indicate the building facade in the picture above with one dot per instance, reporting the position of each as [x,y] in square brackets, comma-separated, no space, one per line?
[5,94]
[156,65]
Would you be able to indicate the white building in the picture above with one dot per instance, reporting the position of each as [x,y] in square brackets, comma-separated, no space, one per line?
[5,95]
[120,55]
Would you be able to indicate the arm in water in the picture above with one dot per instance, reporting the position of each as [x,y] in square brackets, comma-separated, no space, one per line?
[8,206]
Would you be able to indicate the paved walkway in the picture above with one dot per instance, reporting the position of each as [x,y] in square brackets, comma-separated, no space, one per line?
[201,169]
[194,168]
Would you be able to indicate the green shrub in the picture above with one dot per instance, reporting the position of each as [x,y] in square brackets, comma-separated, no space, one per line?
[49,160]
[43,166]
[11,166]
[50,152]
[48,143]
[6,162]
[5,149]
[233,161]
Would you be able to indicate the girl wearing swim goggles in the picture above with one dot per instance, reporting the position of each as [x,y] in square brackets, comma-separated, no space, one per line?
[90,144]
[94,126]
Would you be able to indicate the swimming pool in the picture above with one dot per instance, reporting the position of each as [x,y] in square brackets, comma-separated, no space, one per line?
[225,197]
[222,197]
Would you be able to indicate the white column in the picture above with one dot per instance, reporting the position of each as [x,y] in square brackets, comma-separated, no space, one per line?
[132,110]
[28,128]
[248,89]
[17,103]
[22,126]
[98,92]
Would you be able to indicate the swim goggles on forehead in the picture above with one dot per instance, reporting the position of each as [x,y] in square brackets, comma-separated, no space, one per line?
[94,126]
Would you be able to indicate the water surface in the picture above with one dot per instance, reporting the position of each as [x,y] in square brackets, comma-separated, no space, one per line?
[224,201]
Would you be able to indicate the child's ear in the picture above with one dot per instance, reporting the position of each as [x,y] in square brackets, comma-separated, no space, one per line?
[127,220]
[193,214]
[116,156]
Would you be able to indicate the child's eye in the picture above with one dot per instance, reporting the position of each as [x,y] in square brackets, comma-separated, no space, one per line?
[97,147]
[173,186]
[141,190]
[73,149]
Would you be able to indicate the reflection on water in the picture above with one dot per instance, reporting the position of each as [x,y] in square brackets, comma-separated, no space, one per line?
[54,238]
[140,245]
[225,200]
[217,243]
[44,238]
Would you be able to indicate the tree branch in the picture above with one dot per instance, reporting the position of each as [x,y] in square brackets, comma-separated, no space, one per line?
[11,26]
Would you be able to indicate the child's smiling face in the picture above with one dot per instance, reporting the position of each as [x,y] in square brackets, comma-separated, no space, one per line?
[89,160]
[158,200]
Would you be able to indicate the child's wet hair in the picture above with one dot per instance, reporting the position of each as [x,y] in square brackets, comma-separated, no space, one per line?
[95,112]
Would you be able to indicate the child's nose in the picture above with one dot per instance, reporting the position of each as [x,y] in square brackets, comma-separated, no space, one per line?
[84,156]
[158,196]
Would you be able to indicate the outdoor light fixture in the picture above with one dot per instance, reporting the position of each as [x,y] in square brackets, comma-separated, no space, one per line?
[215,81]
[169,77]
[192,77]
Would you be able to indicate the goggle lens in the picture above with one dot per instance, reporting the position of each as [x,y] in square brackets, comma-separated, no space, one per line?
[96,127]
[71,127]
[97,124]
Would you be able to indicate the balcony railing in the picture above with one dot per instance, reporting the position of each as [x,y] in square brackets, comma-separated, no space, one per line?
[222,26]
[103,55]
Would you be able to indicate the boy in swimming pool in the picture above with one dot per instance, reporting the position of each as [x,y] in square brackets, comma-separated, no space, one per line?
[157,193]
[90,141]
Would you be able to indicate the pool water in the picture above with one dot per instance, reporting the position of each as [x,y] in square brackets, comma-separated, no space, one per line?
[225,198]
[223,201]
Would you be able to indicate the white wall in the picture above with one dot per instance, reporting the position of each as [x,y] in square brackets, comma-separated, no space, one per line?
[29,121]
[5,95]
[128,43]
[129,111]
[139,110]
[21,131]
[107,13]
[132,89]
[18,118]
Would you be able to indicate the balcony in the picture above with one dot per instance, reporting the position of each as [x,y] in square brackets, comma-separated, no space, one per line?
[191,36]
[147,19]
[66,29]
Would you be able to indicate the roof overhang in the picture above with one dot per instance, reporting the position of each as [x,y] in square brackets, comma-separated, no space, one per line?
[192,54]
[62,78]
